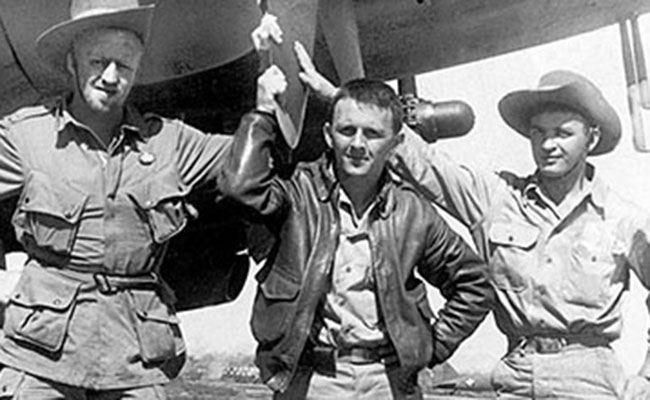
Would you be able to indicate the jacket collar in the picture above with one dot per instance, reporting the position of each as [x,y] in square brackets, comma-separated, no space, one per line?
[326,185]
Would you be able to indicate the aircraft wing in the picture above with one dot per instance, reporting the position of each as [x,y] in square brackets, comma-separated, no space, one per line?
[396,38]
[401,38]
[392,38]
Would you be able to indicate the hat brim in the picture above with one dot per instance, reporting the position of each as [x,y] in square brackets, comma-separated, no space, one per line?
[516,108]
[53,45]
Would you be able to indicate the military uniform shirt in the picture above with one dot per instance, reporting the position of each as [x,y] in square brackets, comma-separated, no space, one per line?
[86,207]
[351,312]
[556,271]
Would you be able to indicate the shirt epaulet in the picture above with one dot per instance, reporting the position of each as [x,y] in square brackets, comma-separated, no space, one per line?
[24,114]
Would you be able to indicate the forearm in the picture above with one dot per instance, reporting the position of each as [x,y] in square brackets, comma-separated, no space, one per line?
[470,298]
[248,173]
[462,192]
[462,278]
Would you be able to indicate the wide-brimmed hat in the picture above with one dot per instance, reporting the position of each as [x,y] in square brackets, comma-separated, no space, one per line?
[53,44]
[570,89]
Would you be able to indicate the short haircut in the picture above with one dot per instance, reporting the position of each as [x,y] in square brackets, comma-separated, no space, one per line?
[371,92]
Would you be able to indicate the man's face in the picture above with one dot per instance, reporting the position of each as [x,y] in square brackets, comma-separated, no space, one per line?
[561,141]
[362,138]
[104,64]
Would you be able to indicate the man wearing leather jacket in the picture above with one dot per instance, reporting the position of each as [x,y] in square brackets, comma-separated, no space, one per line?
[341,310]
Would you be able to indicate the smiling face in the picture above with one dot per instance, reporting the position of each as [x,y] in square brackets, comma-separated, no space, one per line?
[104,65]
[561,141]
[362,137]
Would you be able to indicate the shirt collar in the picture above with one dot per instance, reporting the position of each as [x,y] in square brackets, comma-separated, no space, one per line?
[599,190]
[327,185]
[134,125]
[595,189]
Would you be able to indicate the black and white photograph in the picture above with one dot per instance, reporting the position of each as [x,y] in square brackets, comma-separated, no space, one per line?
[324,199]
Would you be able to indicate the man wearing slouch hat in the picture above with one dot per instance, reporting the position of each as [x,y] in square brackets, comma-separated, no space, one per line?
[101,190]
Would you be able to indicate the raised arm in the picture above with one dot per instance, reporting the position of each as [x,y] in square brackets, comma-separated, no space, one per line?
[248,176]
[463,192]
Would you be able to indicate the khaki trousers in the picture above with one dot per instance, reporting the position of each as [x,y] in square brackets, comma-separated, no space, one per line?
[575,372]
[353,381]
[18,385]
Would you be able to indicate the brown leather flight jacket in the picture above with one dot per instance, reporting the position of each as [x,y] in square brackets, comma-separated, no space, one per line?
[406,235]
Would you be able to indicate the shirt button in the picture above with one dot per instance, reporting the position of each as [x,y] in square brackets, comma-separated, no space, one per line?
[549,260]
[57,302]
[511,238]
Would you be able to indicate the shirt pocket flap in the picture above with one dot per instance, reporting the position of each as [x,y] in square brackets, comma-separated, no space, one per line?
[38,290]
[152,192]
[10,381]
[279,287]
[513,234]
[156,326]
[162,199]
[40,309]
[41,195]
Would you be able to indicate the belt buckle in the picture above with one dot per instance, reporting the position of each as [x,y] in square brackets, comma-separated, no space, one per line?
[103,285]
[550,345]
[155,279]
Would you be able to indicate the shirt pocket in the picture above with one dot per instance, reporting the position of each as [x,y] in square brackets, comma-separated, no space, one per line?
[40,309]
[591,277]
[162,202]
[157,328]
[511,253]
[275,306]
[49,211]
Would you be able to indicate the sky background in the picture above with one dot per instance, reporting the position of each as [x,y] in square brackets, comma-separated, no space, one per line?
[492,145]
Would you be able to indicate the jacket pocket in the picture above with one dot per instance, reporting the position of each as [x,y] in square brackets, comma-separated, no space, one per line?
[49,211]
[40,309]
[157,329]
[511,246]
[422,303]
[275,305]
[162,201]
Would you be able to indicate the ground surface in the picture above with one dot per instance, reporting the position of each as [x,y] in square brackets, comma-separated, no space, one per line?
[183,389]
